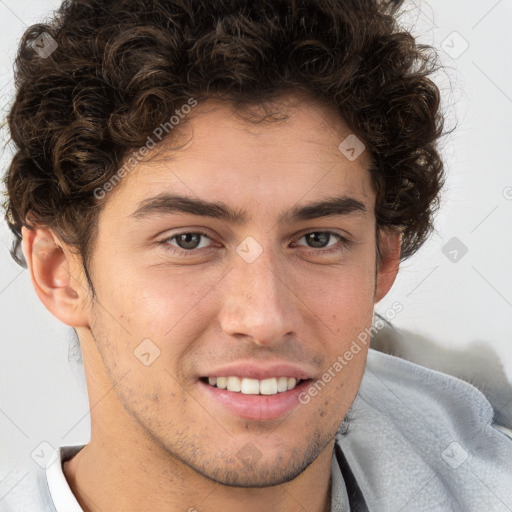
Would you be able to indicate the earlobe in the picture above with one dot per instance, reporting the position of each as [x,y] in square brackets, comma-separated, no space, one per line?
[52,274]
[390,246]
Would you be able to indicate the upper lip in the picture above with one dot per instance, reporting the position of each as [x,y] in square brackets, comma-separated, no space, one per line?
[253,370]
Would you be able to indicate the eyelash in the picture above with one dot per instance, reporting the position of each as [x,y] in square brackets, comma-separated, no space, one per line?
[192,252]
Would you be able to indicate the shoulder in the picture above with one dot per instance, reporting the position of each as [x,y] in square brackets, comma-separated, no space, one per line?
[476,363]
[23,486]
[421,437]
[36,482]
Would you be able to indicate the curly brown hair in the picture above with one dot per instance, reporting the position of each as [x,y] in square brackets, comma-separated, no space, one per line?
[123,67]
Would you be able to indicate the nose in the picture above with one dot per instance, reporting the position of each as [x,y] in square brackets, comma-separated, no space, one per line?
[259,301]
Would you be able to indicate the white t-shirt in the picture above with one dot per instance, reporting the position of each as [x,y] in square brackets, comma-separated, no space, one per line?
[419,441]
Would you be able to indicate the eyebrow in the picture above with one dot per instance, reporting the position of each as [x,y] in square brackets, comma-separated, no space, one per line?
[167,203]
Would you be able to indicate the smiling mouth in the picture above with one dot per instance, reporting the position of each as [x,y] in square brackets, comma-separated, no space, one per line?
[247,386]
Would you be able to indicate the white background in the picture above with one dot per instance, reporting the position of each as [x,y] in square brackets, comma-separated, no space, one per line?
[455,304]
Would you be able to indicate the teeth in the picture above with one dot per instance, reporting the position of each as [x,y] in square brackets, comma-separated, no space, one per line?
[282,384]
[268,387]
[234,384]
[250,387]
[247,386]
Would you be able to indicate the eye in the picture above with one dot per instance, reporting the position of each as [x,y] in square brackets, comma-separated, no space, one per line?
[319,240]
[187,241]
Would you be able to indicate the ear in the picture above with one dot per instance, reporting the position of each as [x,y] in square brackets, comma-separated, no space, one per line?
[390,246]
[56,276]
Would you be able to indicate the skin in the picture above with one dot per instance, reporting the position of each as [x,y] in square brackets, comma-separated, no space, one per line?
[157,443]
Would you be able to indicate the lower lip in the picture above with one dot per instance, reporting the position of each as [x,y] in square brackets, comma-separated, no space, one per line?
[256,407]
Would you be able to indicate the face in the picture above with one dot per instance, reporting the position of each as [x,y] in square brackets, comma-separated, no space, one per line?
[188,304]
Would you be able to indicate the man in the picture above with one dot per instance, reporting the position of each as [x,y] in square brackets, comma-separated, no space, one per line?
[215,196]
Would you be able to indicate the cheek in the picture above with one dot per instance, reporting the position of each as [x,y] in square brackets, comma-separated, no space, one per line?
[162,304]
[341,297]
[345,306]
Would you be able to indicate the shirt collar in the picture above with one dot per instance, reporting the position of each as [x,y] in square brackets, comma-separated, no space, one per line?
[63,498]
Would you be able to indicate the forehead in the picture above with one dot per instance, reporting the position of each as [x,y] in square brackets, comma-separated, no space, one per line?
[223,156]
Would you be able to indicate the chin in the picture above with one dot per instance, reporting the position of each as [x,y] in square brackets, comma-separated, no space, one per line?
[249,469]
[258,478]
